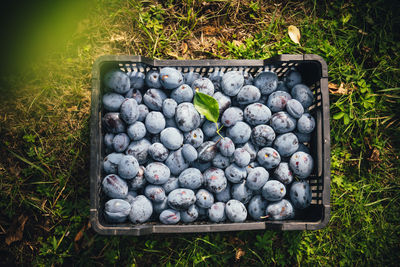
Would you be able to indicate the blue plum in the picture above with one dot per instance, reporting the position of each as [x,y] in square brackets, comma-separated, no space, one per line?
[169,108]
[187,117]
[248,94]
[216,213]
[129,110]
[158,152]
[257,207]
[115,187]
[286,144]
[157,173]
[266,81]
[300,195]
[294,108]
[224,195]
[282,122]
[281,210]
[171,184]
[268,157]
[207,151]
[141,210]
[301,164]
[251,166]
[111,161]
[231,82]
[170,78]
[155,193]
[112,101]
[120,142]
[251,149]
[190,215]
[189,153]
[235,211]
[135,94]
[203,85]
[155,122]
[138,182]
[241,192]
[257,178]
[143,111]
[273,190]
[216,78]
[170,216]
[108,140]
[256,114]
[292,77]
[204,199]
[209,128]
[190,77]
[118,81]
[128,167]
[183,93]
[191,178]
[277,101]
[181,198]
[248,78]
[154,98]
[171,138]
[303,94]
[239,133]
[136,131]
[117,210]
[137,79]
[306,123]
[113,123]
[224,101]
[152,79]
[215,180]
[220,161]
[176,162]
[226,147]
[231,116]
[139,149]
[241,157]
[262,135]
[283,174]
[194,137]
[235,174]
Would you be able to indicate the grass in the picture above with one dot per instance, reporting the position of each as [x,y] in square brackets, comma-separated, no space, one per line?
[44,114]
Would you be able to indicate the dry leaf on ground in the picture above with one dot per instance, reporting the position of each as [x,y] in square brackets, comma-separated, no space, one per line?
[339,90]
[294,34]
[16,231]
[239,253]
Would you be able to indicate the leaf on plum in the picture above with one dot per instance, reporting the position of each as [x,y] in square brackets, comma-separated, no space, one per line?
[207,106]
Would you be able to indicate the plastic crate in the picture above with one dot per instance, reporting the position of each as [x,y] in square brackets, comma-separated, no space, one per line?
[314,73]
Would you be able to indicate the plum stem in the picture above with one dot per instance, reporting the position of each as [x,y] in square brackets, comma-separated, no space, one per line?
[219,129]
[264,217]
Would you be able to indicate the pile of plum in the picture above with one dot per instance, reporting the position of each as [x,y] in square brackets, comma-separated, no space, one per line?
[166,162]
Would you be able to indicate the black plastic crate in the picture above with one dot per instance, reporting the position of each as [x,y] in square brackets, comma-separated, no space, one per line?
[314,74]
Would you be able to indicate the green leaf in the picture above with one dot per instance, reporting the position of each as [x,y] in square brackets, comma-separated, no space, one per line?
[338,116]
[207,106]
[346,119]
